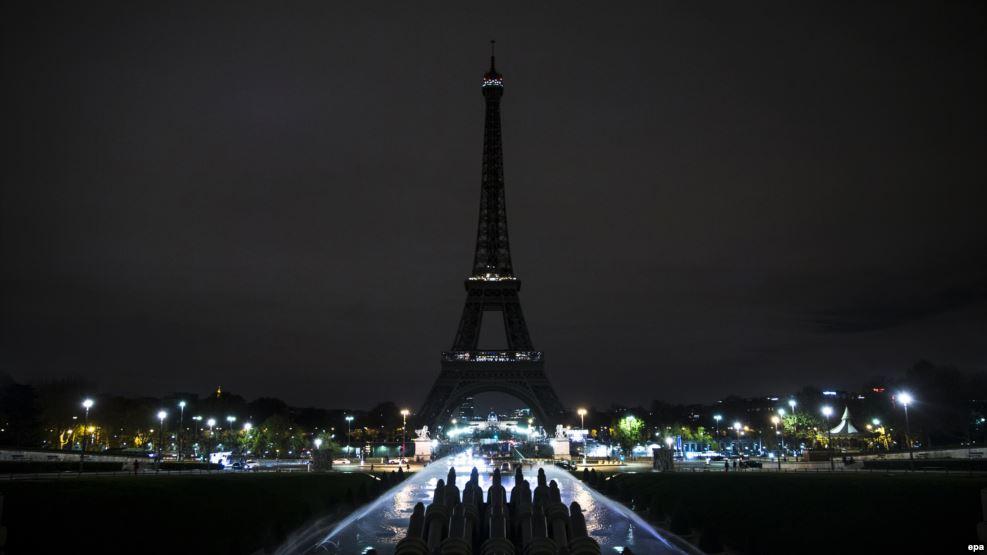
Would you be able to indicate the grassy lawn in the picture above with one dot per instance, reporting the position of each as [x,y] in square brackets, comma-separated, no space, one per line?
[235,514]
[767,513]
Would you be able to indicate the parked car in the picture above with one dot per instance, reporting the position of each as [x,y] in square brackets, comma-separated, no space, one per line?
[397,461]
[750,464]
[251,465]
[340,461]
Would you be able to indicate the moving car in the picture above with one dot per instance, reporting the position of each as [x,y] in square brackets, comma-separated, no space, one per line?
[340,461]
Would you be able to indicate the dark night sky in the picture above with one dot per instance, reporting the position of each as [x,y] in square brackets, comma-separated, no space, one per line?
[703,200]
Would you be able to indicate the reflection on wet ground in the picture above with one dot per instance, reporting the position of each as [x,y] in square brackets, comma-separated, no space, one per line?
[382,523]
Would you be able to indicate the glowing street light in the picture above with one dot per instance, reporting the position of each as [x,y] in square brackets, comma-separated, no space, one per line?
[318,443]
[86,404]
[582,426]
[404,430]
[161,418]
[737,426]
[876,421]
[247,426]
[828,412]
[181,428]
[906,399]
[349,425]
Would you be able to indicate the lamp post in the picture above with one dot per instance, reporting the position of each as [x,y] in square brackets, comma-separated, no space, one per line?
[905,399]
[828,412]
[349,431]
[212,434]
[195,436]
[181,429]
[582,427]
[775,420]
[230,420]
[736,427]
[404,430]
[161,418]
[87,404]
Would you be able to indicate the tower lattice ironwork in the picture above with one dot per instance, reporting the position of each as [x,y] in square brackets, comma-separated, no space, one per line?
[492,286]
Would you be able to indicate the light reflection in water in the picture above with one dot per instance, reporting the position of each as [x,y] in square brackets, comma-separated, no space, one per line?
[384,522]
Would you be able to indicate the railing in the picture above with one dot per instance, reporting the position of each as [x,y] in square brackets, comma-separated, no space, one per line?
[146,472]
[491,356]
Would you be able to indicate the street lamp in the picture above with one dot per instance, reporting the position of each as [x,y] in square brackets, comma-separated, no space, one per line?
[736,427]
[181,429]
[195,436]
[582,427]
[349,430]
[212,433]
[906,399]
[86,404]
[161,418]
[828,412]
[776,420]
[318,443]
[404,430]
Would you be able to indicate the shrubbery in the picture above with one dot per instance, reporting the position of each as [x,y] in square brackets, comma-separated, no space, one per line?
[21,467]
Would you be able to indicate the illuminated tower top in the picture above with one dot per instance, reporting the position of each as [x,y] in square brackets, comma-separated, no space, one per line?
[492,258]
[491,78]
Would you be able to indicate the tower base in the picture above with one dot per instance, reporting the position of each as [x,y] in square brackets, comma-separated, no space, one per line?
[520,374]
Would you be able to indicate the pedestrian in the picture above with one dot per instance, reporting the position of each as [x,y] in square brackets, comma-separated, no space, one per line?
[726,466]
[136,466]
[371,468]
[735,464]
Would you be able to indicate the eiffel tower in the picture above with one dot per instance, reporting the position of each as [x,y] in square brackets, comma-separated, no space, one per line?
[492,287]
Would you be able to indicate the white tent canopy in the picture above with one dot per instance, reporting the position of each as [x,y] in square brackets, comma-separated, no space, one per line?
[845,427]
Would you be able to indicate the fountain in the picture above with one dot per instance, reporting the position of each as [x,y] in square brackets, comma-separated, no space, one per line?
[383,523]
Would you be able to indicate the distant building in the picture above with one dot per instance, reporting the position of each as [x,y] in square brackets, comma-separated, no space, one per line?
[467,410]
[521,414]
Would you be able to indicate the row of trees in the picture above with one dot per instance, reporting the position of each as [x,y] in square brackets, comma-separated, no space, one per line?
[950,409]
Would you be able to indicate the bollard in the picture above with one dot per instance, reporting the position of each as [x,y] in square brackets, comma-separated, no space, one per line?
[497,543]
[413,544]
[558,516]
[581,543]
[540,544]
[436,518]
[460,541]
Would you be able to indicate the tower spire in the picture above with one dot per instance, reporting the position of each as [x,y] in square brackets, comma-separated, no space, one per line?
[493,54]
[492,258]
